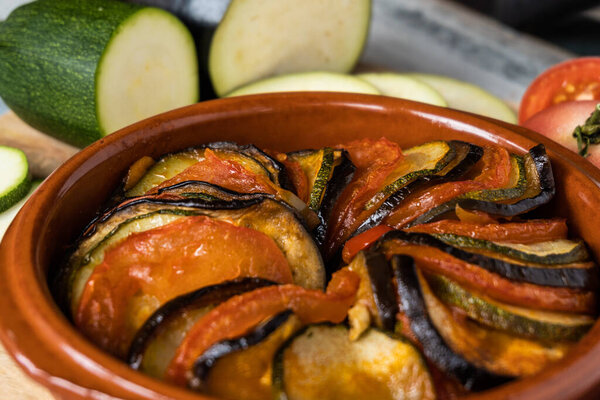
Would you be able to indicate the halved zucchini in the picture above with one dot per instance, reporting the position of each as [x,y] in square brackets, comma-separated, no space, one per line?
[273,218]
[561,251]
[322,363]
[573,275]
[435,348]
[241,368]
[527,322]
[156,341]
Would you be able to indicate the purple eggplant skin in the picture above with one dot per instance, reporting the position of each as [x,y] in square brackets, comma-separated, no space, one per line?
[204,363]
[202,18]
[577,278]
[204,297]
[435,349]
[381,279]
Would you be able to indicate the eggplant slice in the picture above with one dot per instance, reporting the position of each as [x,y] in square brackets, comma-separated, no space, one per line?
[322,363]
[435,348]
[155,342]
[574,275]
[273,218]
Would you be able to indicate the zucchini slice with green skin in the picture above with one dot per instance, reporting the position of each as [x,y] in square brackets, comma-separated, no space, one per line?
[465,157]
[410,291]
[273,218]
[515,188]
[172,164]
[110,64]
[574,275]
[156,341]
[562,251]
[527,322]
[15,179]
[493,350]
[321,362]
[236,369]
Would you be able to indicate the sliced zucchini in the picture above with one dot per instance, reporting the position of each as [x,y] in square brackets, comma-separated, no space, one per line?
[468,97]
[435,348]
[404,87]
[562,251]
[527,322]
[574,275]
[15,179]
[273,218]
[516,186]
[307,82]
[496,351]
[539,190]
[241,368]
[156,341]
[172,164]
[268,37]
[376,291]
[458,160]
[322,363]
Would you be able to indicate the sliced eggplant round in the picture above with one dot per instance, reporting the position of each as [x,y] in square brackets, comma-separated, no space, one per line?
[322,363]
[156,341]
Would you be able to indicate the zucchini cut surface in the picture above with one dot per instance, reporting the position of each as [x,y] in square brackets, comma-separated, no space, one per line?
[285,37]
[404,87]
[527,322]
[15,180]
[322,363]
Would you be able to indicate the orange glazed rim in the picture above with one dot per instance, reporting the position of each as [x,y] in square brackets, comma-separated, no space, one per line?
[53,352]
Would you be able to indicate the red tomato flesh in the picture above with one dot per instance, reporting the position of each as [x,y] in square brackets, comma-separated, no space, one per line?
[149,268]
[238,315]
[577,79]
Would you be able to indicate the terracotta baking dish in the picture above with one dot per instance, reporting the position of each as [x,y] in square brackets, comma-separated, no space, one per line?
[45,344]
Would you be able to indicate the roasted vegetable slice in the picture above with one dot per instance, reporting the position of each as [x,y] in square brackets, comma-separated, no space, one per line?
[240,314]
[435,348]
[494,350]
[517,184]
[265,215]
[240,368]
[528,322]
[582,275]
[155,342]
[208,192]
[473,277]
[376,292]
[561,251]
[465,156]
[322,363]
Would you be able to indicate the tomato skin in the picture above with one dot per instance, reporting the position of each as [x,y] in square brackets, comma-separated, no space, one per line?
[236,316]
[150,268]
[559,121]
[577,79]
[363,241]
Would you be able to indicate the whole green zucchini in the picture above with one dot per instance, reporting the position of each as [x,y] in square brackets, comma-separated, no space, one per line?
[79,70]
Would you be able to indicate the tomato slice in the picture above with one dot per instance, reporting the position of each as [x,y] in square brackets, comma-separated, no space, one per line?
[474,216]
[493,172]
[374,161]
[577,79]
[482,281]
[149,268]
[238,315]
[295,173]
[363,241]
[225,173]
[531,231]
